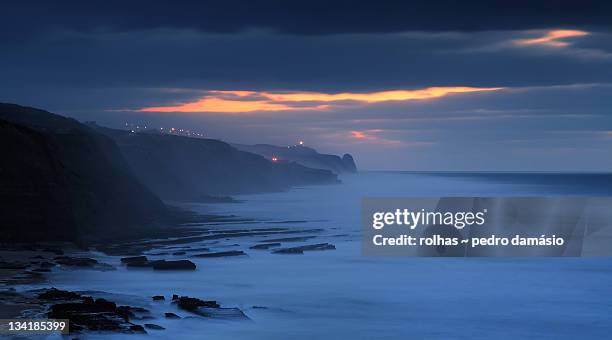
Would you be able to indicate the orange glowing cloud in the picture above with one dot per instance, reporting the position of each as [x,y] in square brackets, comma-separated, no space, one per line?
[251,101]
[366,134]
[372,136]
[375,97]
[214,104]
[552,38]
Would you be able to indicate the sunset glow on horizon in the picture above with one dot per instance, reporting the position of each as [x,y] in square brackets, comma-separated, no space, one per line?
[553,38]
[372,136]
[251,101]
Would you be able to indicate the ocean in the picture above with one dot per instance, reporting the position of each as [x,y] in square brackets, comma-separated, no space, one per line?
[340,294]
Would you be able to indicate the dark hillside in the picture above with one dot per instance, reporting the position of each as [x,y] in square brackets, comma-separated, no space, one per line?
[61,180]
[183,168]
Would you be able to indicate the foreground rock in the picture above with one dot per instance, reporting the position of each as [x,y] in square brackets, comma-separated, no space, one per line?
[82,262]
[222,254]
[58,294]
[134,259]
[290,239]
[76,261]
[18,273]
[143,261]
[191,304]
[302,249]
[174,265]
[87,313]
[13,265]
[209,309]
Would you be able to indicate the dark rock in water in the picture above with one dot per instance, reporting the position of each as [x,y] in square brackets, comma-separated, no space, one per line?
[266,245]
[215,237]
[290,239]
[209,309]
[54,251]
[133,259]
[153,326]
[13,265]
[133,312]
[91,314]
[191,304]
[158,298]
[179,253]
[295,250]
[302,249]
[20,276]
[174,265]
[260,307]
[142,261]
[33,274]
[175,297]
[46,264]
[87,313]
[222,254]
[42,270]
[82,262]
[171,315]
[76,261]
[136,309]
[143,264]
[137,329]
[58,294]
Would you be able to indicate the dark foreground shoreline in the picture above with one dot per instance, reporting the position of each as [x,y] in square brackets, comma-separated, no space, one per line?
[168,249]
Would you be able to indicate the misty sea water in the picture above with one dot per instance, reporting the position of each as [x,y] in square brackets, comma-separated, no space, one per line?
[341,294]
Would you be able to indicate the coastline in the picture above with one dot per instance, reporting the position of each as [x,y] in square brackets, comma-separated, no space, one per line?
[286,295]
[25,274]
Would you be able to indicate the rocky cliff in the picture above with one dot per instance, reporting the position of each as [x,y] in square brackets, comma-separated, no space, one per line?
[62,181]
[303,155]
[183,168]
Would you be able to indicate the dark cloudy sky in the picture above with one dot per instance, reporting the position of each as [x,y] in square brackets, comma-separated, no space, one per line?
[435,85]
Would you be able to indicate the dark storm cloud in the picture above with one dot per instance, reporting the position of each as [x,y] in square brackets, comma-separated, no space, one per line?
[268,61]
[27,19]
[102,61]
